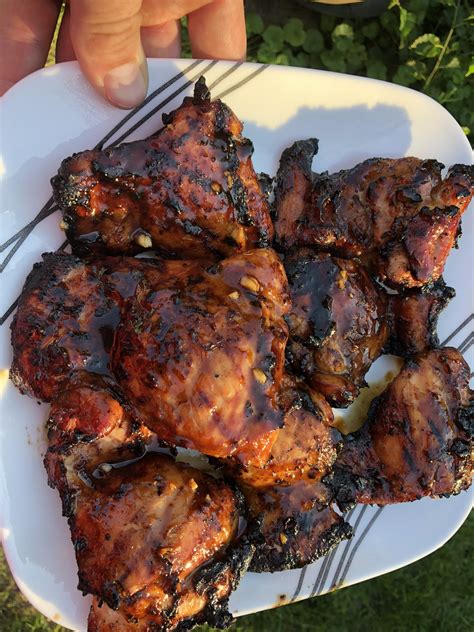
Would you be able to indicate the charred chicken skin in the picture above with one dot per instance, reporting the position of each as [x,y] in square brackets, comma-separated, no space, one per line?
[62,326]
[418,438]
[337,323]
[203,364]
[413,317]
[189,191]
[397,214]
[155,540]
[68,312]
[285,496]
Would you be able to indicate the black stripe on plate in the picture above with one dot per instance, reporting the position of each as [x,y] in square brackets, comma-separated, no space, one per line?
[300,583]
[323,573]
[45,212]
[160,105]
[242,82]
[322,570]
[305,568]
[466,343]
[457,330]
[9,311]
[359,542]
[24,234]
[227,73]
[149,98]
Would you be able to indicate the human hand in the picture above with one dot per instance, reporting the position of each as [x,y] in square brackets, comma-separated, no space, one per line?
[112,38]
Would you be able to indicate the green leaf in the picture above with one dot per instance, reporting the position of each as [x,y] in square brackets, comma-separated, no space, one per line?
[376,69]
[470,70]
[389,22]
[419,8]
[407,21]
[414,70]
[428,45]
[313,42]
[301,59]
[282,59]
[342,37]
[266,54]
[293,32]
[333,60]
[452,64]
[371,30]
[404,76]
[466,130]
[254,23]
[357,58]
[273,36]
[343,30]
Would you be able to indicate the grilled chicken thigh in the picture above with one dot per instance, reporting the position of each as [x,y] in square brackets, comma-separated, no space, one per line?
[68,312]
[62,326]
[284,494]
[397,214]
[337,323]
[190,190]
[418,438]
[203,364]
[156,540]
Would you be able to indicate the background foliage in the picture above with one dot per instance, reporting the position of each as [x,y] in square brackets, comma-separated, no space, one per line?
[425,44]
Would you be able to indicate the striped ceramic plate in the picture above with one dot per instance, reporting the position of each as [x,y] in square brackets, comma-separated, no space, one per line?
[53,113]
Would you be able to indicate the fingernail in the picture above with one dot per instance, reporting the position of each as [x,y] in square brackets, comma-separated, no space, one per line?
[126,85]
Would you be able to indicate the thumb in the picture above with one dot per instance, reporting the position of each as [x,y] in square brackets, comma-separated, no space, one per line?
[106,39]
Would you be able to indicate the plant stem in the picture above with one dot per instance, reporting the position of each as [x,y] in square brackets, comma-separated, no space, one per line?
[444,49]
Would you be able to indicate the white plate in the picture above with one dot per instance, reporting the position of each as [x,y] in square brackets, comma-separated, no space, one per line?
[53,113]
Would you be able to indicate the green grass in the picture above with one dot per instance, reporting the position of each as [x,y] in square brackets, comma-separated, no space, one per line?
[432,594]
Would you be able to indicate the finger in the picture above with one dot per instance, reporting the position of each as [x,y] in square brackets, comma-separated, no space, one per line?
[106,40]
[163,40]
[217,30]
[26,31]
[64,47]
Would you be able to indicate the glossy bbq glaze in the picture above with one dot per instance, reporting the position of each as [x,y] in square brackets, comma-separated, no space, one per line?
[63,326]
[418,438]
[190,190]
[69,309]
[397,214]
[305,447]
[337,323]
[157,540]
[203,364]
[297,525]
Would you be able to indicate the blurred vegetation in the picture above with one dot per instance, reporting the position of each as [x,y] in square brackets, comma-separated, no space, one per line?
[427,45]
